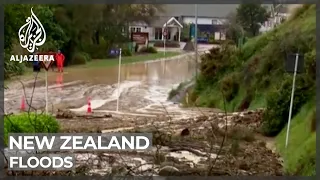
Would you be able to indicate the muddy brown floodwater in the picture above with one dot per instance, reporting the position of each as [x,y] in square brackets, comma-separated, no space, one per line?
[144,107]
[144,87]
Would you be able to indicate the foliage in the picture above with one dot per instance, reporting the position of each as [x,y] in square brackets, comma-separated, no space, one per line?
[30,123]
[218,61]
[258,67]
[301,161]
[175,91]
[126,52]
[278,101]
[72,31]
[234,29]
[230,86]
[185,33]
[80,58]
[257,64]
[146,49]
[250,16]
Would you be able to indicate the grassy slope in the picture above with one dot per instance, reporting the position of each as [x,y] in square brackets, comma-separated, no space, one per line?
[302,147]
[263,47]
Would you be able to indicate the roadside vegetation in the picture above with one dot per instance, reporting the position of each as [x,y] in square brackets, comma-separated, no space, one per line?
[80,36]
[29,123]
[254,77]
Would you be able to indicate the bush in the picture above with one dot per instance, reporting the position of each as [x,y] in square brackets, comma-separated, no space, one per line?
[79,58]
[87,56]
[230,86]
[169,44]
[176,90]
[278,102]
[12,68]
[30,123]
[146,49]
[126,52]
[96,51]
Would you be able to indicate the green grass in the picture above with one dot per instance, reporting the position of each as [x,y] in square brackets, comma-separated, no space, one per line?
[126,60]
[30,123]
[177,90]
[299,158]
[263,56]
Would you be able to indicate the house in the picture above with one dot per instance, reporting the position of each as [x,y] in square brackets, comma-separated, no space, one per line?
[278,14]
[156,29]
[176,17]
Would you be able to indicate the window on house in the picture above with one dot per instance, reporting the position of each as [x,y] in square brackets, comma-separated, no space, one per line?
[132,29]
[138,29]
[158,33]
[214,21]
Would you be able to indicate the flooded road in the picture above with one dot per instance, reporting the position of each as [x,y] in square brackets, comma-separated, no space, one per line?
[144,87]
[143,92]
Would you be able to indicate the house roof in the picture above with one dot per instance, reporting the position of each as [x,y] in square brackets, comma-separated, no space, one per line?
[205,10]
[173,20]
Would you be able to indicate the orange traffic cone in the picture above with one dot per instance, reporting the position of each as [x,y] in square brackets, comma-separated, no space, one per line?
[89,110]
[23,104]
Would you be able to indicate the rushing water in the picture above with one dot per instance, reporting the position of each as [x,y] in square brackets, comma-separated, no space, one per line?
[144,86]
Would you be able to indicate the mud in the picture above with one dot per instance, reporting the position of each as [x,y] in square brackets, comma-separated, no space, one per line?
[209,149]
[143,107]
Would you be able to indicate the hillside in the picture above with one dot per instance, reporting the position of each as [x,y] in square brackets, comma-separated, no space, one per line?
[254,77]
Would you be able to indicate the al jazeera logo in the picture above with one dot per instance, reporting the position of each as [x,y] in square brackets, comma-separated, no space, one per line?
[31,36]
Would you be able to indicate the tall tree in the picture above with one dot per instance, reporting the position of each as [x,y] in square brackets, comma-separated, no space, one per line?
[251,16]
[234,30]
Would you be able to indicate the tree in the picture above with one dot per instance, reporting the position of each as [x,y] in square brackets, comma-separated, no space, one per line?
[234,30]
[90,29]
[251,16]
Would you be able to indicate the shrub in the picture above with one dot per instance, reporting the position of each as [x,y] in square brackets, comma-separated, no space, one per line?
[126,52]
[230,86]
[278,101]
[30,123]
[79,58]
[96,51]
[146,49]
[169,44]
[246,101]
[175,91]
[12,68]
[87,56]
[152,50]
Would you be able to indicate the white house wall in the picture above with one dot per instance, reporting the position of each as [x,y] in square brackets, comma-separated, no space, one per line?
[188,20]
